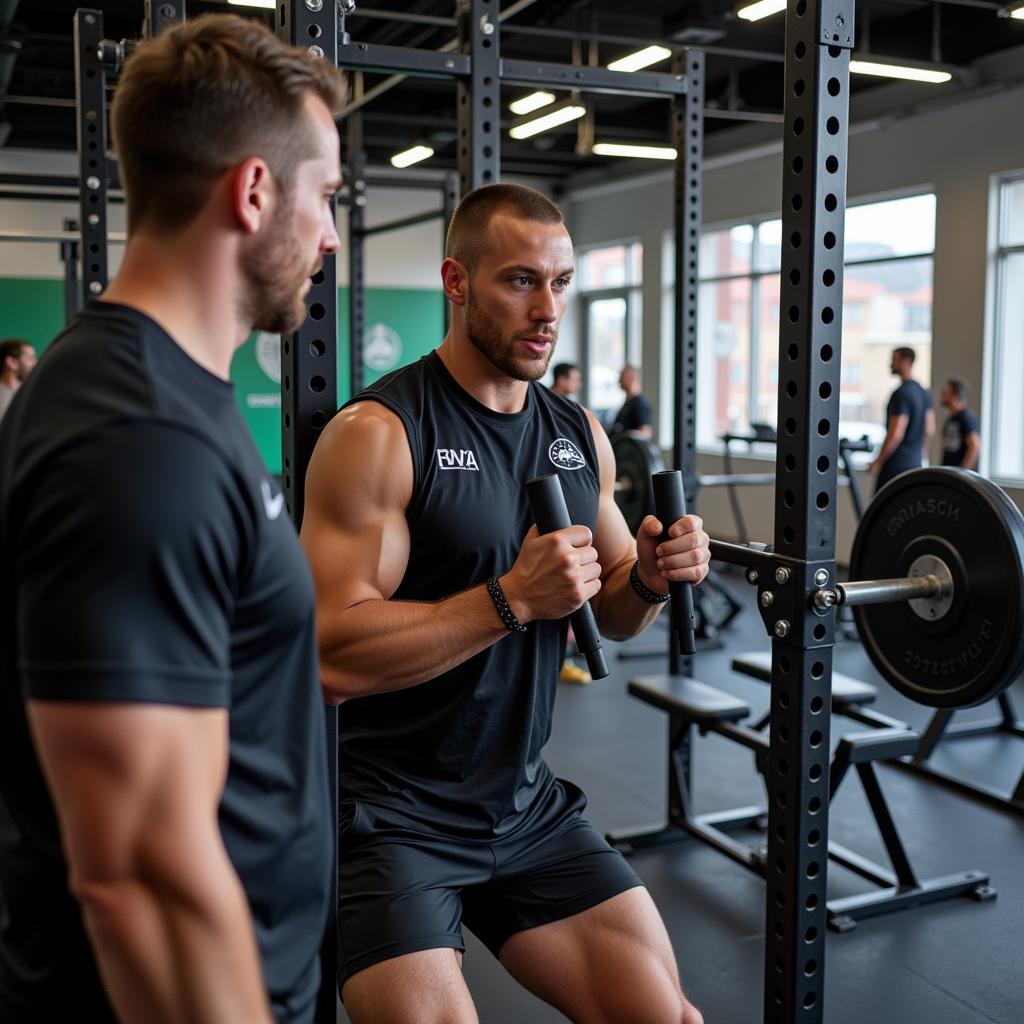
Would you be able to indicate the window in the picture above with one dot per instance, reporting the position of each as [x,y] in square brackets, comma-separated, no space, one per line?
[1006,411]
[609,285]
[887,302]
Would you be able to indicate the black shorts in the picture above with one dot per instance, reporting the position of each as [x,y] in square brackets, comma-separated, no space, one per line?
[402,891]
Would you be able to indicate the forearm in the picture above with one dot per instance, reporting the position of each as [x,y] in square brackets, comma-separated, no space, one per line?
[378,646]
[173,950]
[620,611]
[891,443]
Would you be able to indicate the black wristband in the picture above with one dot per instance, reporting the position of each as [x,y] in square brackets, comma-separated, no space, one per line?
[505,613]
[642,591]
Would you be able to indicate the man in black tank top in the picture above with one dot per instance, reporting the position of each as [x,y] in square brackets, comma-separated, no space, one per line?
[442,622]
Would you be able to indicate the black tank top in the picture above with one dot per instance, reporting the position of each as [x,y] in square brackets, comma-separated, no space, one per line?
[462,752]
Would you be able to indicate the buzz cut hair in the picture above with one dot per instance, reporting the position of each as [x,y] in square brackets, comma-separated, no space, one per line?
[467,233]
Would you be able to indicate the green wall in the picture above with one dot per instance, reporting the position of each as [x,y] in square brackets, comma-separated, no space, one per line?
[402,324]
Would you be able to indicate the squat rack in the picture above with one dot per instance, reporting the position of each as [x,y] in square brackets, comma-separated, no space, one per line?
[818,39]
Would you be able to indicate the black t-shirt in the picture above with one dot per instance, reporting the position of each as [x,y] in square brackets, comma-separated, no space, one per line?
[634,414]
[910,400]
[148,557]
[958,428]
[461,754]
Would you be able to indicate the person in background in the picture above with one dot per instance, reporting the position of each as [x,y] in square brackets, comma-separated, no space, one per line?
[635,414]
[568,381]
[910,422]
[17,358]
[961,443]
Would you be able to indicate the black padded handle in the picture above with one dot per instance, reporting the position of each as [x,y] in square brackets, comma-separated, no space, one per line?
[670,505]
[550,513]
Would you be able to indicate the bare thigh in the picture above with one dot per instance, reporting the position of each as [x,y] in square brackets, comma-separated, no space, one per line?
[612,964]
[418,988]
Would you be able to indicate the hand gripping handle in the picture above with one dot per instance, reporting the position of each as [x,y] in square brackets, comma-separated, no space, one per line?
[670,505]
[550,513]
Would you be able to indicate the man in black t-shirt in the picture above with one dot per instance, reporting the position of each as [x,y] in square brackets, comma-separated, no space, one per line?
[961,443]
[635,414]
[909,422]
[442,622]
[165,833]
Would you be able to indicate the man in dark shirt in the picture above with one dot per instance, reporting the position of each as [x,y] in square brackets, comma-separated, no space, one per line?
[566,380]
[635,414]
[17,358]
[909,423]
[961,443]
[165,840]
[442,626]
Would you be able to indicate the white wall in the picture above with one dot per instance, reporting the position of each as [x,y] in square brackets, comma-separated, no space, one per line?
[409,258]
[954,150]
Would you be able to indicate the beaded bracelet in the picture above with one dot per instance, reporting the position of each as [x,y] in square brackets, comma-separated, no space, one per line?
[643,591]
[505,613]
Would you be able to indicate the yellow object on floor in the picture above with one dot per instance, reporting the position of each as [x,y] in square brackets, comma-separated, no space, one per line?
[572,673]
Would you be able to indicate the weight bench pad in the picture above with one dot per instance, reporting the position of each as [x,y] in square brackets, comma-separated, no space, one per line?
[686,697]
[845,689]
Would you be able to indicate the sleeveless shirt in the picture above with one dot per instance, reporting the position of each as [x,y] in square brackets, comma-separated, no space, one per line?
[461,754]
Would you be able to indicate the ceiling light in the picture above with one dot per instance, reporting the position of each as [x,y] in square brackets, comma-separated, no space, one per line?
[641,59]
[411,156]
[911,73]
[1013,11]
[551,119]
[628,149]
[761,9]
[267,5]
[534,101]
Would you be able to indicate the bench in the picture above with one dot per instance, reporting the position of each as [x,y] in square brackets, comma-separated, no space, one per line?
[692,704]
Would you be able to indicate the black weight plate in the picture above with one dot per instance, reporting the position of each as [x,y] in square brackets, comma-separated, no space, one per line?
[636,459]
[976,650]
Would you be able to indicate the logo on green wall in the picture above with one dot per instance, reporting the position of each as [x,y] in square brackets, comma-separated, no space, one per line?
[268,355]
[382,348]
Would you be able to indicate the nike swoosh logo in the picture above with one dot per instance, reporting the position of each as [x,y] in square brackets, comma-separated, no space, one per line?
[272,503]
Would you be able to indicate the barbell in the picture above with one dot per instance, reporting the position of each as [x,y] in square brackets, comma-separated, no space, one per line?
[937,591]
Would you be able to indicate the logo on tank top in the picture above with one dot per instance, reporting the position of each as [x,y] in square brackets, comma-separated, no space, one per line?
[565,455]
[456,458]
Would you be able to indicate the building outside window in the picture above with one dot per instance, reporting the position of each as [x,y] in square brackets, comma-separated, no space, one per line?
[608,282]
[1005,420]
[887,289]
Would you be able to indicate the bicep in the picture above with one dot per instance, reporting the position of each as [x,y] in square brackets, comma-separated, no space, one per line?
[134,784]
[354,529]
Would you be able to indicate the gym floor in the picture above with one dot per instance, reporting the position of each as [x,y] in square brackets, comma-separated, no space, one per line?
[955,962]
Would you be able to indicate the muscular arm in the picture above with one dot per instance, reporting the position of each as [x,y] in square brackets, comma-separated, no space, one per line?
[896,428]
[136,787]
[355,533]
[620,612]
[972,451]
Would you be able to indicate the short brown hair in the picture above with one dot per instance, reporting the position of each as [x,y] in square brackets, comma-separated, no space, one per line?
[203,96]
[11,348]
[903,352]
[468,229]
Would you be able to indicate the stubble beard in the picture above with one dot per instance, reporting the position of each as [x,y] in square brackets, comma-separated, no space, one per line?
[499,349]
[273,300]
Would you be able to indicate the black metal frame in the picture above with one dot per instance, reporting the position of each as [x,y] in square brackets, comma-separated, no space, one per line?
[161,13]
[897,889]
[69,257]
[91,111]
[309,398]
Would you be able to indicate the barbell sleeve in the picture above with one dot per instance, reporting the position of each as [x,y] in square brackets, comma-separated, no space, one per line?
[550,513]
[670,505]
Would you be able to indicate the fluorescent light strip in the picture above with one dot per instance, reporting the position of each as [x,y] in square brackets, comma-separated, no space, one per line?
[1018,13]
[546,121]
[534,101]
[411,156]
[267,5]
[625,149]
[911,74]
[761,9]
[641,59]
